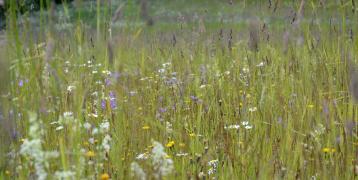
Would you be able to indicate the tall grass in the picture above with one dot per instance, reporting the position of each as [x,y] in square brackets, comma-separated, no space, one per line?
[170,101]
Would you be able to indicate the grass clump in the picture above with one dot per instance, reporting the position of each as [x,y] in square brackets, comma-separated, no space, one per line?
[264,98]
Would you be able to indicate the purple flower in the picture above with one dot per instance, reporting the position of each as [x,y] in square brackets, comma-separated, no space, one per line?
[21,83]
[196,99]
[103,104]
[112,100]
[107,81]
[116,75]
[162,110]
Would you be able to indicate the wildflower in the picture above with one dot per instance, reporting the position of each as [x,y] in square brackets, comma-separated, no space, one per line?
[87,125]
[165,65]
[162,165]
[104,127]
[137,171]
[192,134]
[169,127]
[106,72]
[90,154]
[170,144]
[105,176]
[246,125]
[33,149]
[67,114]
[59,128]
[213,164]
[112,100]
[181,154]
[95,131]
[64,174]
[142,156]
[132,93]
[21,83]
[253,109]
[201,175]
[161,71]
[103,104]
[91,140]
[261,64]
[94,115]
[328,150]
[105,143]
[70,88]
[245,70]
[211,171]
[235,126]
[162,110]
[146,127]
[196,99]
[7,172]
[310,106]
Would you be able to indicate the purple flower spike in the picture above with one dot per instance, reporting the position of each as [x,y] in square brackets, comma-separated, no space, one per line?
[112,100]
[103,104]
[107,82]
[113,103]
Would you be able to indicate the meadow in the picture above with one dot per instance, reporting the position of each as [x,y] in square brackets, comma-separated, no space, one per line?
[180,90]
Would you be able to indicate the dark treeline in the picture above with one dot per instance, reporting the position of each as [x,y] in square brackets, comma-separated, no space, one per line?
[23,6]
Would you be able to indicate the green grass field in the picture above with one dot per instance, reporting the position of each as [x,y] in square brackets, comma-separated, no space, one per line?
[211,90]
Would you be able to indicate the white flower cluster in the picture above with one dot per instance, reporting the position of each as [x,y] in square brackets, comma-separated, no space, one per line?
[213,164]
[137,171]
[244,124]
[33,148]
[66,120]
[160,161]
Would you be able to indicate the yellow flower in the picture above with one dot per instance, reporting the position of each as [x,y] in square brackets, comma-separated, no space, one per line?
[7,172]
[325,150]
[170,144]
[192,134]
[310,106]
[328,150]
[104,176]
[90,154]
[86,143]
[146,127]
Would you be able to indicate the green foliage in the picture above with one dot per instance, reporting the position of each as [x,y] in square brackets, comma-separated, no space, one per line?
[209,91]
